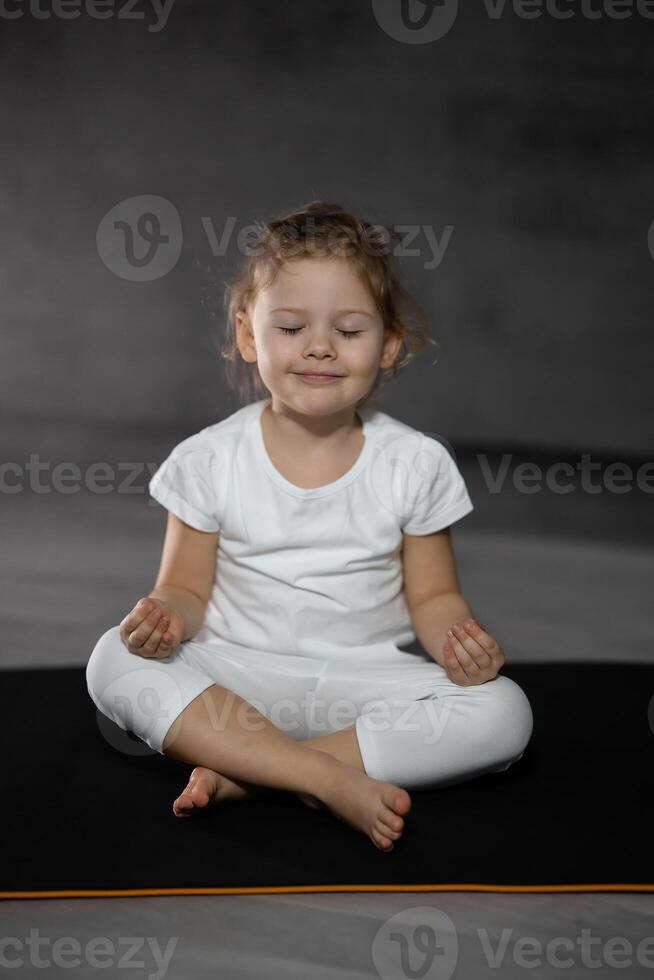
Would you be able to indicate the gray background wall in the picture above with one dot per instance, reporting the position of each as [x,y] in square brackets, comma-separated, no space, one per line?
[532,138]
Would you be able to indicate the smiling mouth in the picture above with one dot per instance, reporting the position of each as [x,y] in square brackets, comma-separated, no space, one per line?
[317,374]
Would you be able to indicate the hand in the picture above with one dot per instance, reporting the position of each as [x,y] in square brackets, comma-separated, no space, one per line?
[472,656]
[152,629]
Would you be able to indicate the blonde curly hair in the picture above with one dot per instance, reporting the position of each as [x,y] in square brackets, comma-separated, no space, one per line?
[321,229]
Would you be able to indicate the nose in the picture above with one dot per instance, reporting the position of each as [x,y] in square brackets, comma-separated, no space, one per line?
[319,346]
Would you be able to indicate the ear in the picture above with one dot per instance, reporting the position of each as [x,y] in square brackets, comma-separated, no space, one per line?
[245,338]
[390,350]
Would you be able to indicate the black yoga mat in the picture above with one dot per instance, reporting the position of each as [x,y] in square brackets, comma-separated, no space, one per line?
[87,807]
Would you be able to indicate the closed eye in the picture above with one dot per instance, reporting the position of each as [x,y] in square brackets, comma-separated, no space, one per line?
[294,330]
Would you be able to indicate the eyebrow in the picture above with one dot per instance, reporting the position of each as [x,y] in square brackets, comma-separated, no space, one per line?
[295,309]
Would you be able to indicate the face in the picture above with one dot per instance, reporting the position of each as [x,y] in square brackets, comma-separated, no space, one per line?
[316,317]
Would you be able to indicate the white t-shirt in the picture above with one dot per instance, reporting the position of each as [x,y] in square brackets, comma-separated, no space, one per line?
[312,572]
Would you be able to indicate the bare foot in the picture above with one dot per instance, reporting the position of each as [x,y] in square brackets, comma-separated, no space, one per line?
[375,807]
[208,788]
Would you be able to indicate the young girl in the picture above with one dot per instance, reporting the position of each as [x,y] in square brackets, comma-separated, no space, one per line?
[308,542]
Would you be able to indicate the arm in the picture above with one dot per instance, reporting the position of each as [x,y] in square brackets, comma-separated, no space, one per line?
[432,619]
[186,574]
[431,589]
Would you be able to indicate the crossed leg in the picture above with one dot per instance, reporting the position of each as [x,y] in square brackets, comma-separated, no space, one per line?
[456,735]
[448,733]
[239,764]
[208,787]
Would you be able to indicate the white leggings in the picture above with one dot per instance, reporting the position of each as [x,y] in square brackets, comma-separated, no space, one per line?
[414,726]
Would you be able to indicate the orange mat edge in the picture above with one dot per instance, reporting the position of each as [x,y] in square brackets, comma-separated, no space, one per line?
[290,889]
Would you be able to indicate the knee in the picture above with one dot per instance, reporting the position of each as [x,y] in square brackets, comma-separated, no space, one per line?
[104,663]
[141,695]
[510,720]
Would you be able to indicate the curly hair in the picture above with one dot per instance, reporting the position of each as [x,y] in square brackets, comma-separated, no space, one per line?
[321,229]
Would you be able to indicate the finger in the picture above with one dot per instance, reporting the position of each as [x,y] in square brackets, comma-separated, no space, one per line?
[470,667]
[471,645]
[141,633]
[454,669]
[485,640]
[153,646]
[139,636]
[150,649]
[134,618]
[494,659]
[167,642]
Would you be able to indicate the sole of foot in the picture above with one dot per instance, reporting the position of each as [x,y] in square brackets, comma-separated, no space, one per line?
[372,806]
[207,788]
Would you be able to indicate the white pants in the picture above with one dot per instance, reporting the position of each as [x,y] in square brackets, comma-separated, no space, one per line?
[414,726]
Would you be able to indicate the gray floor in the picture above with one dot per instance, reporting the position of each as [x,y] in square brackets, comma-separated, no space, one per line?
[74,566]
[325,937]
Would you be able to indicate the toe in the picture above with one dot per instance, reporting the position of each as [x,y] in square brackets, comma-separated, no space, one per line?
[386,827]
[382,842]
[400,801]
[387,831]
[199,795]
[391,819]
[179,809]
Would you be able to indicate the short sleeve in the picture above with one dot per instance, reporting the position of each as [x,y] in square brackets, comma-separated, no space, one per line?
[184,484]
[441,495]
